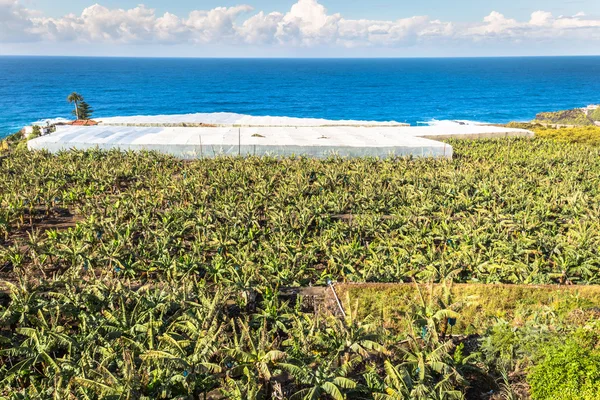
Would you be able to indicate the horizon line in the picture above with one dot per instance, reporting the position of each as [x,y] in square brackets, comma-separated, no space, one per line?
[293,58]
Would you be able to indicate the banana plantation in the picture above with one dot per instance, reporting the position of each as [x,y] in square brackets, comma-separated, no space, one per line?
[141,276]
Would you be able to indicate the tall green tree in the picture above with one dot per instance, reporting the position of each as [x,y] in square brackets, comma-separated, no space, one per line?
[84,110]
[75,98]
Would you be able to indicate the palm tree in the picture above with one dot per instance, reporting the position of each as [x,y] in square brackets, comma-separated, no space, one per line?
[75,98]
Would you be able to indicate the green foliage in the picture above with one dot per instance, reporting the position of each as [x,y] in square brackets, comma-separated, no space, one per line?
[508,348]
[75,98]
[569,370]
[84,110]
[15,142]
[504,211]
[137,275]
[99,339]
[14,138]
[37,132]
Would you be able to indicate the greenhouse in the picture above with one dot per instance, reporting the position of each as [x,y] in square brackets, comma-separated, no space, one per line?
[229,134]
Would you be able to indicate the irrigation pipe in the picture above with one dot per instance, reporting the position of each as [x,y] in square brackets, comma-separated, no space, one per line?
[337,300]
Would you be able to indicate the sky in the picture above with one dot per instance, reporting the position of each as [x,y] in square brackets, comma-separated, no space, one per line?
[300,28]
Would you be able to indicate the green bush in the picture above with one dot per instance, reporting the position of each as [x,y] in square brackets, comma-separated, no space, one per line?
[568,371]
[14,138]
[595,115]
[37,132]
[11,141]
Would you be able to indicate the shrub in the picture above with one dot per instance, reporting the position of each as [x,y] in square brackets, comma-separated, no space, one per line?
[15,137]
[508,348]
[37,132]
[568,371]
[11,141]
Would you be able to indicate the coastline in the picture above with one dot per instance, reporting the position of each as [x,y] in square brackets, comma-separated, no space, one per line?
[405,90]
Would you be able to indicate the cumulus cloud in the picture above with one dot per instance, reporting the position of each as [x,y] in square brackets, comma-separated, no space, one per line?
[308,23]
[15,22]
[541,18]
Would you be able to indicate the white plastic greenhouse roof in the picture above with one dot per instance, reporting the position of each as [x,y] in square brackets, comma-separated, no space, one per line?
[308,138]
[259,141]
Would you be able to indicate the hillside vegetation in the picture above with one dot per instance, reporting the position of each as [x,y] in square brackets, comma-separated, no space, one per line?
[575,117]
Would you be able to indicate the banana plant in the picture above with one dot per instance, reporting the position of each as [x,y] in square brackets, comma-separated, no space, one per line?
[323,381]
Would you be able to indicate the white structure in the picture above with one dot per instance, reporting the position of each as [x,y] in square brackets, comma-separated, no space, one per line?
[314,138]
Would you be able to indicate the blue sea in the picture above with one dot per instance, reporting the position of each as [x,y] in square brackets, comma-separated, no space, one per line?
[406,90]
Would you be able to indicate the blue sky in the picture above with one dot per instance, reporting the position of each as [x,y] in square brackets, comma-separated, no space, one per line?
[300,28]
[456,10]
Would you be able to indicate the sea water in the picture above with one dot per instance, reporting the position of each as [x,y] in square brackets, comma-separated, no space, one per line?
[494,90]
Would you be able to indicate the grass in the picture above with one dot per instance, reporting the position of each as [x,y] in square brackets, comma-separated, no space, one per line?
[479,306]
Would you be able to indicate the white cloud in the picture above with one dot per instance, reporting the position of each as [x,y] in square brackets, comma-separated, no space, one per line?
[261,28]
[493,25]
[307,24]
[541,18]
[15,22]
[215,25]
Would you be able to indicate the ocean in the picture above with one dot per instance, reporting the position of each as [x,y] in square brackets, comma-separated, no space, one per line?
[493,90]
